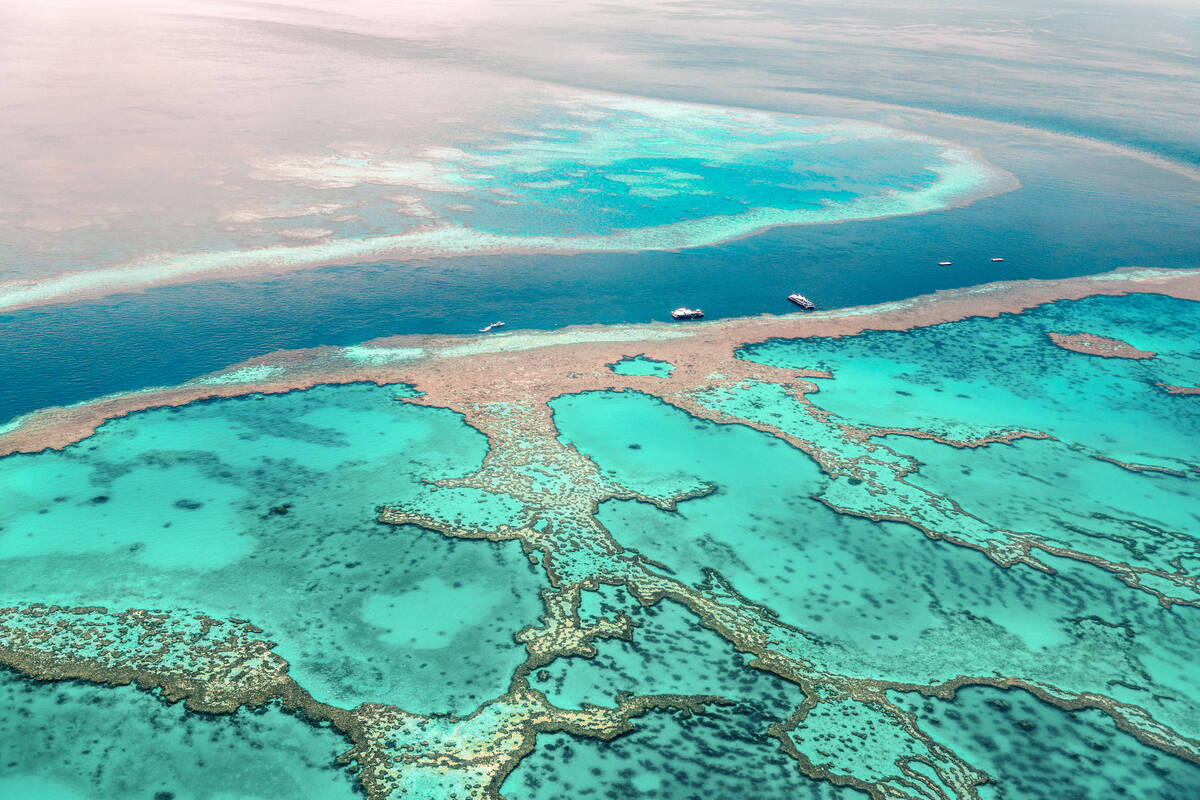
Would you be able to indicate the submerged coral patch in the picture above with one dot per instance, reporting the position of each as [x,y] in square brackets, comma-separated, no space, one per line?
[262,509]
[640,365]
[756,547]
[580,173]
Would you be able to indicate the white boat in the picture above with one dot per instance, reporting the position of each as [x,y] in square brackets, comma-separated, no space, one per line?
[493,325]
[801,301]
[687,313]
[945,263]
[996,260]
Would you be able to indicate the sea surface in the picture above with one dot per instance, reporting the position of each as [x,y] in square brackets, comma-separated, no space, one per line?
[263,507]
[964,564]
[1073,215]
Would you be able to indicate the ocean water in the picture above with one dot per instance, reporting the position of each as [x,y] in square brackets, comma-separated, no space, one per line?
[1077,212]
[669,654]
[879,600]
[561,171]
[971,378]
[57,742]
[263,508]
[1146,518]
[640,365]
[1033,750]
[723,752]
[716,754]
[594,164]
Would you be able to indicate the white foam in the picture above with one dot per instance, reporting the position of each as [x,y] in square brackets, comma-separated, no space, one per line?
[250,374]
[377,356]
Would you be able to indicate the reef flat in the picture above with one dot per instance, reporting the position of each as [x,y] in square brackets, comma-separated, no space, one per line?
[445,361]
[1097,345]
[580,173]
[778,531]
[56,747]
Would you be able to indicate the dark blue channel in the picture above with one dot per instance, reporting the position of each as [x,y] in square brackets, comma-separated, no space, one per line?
[62,354]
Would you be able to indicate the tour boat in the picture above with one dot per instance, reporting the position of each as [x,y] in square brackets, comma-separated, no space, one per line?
[687,313]
[801,301]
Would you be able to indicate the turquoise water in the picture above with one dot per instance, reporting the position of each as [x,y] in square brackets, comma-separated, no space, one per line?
[979,376]
[669,654]
[972,378]
[606,174]
[263,508]
[1034,751]
[599,164]
[1072,500]
[72,741]
[879,600]
[716,754]
[745,527]
[1137,215]
[1141,518]
[723,752]
[640,365]
[850,738]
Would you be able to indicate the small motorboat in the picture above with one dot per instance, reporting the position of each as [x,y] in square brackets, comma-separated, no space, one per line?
[687,313]
[945,263]
[802,301]
[493,325]
[997,260]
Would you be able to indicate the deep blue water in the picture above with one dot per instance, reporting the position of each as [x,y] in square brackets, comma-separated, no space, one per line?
[1053,226]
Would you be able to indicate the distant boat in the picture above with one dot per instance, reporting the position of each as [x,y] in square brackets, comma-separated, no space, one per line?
[801,301]
[687,313]
[996,260]
[493,325]
[945,263]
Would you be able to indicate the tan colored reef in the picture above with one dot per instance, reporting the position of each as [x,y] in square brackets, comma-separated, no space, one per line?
[1170,389]
[446,368]
[503,386]
[1091,344]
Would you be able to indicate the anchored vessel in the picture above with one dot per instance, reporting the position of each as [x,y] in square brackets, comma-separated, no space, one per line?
[801,301]
[997,259]
[687,313]
[945,263]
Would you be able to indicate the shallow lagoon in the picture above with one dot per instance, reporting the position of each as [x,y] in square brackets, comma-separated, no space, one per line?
[975,377]
[56,743]
[723,752]
[1034,751]
[263,508]
[640,365]
[880,600]
[67,354]
[279,528]
[716,754]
